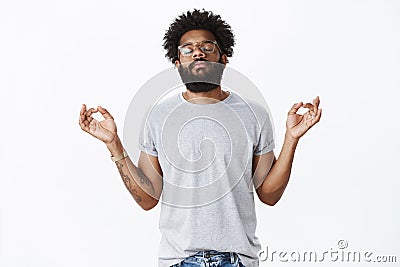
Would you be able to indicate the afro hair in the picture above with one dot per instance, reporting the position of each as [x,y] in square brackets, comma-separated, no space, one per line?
[198,20]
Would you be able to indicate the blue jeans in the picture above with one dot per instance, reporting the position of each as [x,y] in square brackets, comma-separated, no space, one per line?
[211,258]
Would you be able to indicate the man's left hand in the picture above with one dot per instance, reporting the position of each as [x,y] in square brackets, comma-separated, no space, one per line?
[297,125]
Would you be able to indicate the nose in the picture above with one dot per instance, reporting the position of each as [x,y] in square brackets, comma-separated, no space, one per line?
[197,53]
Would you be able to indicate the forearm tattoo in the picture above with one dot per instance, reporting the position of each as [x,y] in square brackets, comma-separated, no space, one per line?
[143,178]
[128,183]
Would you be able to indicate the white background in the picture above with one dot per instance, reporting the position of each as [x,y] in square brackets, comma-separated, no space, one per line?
[62,200]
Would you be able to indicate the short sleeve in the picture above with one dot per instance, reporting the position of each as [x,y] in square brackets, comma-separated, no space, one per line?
[266,141]
[146,138]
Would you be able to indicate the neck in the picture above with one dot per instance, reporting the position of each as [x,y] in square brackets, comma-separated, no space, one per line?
[213,96]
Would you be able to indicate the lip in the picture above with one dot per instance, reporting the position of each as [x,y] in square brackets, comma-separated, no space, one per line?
[200,64]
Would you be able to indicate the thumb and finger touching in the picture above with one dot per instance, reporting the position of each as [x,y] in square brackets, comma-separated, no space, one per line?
[90,124]
[104,112]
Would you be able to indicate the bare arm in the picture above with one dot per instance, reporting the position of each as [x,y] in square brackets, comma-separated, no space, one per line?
[274,180]
[144,181]
[271,176]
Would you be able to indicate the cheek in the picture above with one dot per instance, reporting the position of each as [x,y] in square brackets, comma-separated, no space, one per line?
[185,60]
[218,58]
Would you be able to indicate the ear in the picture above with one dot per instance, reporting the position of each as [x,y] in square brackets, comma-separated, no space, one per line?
[177,63]
[224,59]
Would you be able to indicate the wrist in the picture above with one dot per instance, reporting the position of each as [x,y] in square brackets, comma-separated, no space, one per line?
[115,147]
[119,157]
[291,139]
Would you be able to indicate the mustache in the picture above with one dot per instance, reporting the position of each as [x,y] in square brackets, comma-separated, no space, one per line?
[191,65]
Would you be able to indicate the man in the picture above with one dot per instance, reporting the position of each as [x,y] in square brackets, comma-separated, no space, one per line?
[207,213]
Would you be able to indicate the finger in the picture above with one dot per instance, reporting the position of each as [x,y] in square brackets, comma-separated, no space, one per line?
[319,114]
[86,117]
[80,119]
[317,101]
[315,105]
[82,112]
[86,122]
[295,108]
[83,109]
[105,113]
[82,116]
[317,117]
[310,109]
[310,115]
[83,125]
[83,120]
[308,105]
[85,114]
[90,112]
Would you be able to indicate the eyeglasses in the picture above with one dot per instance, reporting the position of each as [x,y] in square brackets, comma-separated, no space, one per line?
[206,46]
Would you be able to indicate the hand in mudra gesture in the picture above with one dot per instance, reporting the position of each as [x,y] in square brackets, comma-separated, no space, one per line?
[105,130]
[297,125]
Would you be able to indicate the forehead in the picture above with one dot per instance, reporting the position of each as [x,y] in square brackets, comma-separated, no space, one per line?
[196,36]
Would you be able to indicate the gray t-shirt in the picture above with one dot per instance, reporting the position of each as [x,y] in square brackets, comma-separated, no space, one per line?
[205,152]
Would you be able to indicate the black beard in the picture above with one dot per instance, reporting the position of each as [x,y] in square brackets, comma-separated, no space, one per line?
[211,80]
[197,87]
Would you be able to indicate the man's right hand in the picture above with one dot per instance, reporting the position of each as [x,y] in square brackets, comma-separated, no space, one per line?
[105,130]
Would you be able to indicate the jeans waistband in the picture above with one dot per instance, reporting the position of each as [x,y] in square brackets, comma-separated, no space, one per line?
[210,253]
[214,253]
[210,256]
